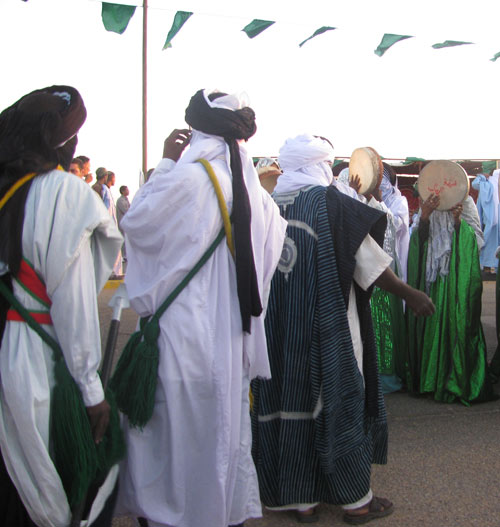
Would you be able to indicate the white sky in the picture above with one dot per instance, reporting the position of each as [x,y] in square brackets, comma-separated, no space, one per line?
[413,101]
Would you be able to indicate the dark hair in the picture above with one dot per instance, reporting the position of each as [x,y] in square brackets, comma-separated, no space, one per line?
[83,159]
[122,188]
[391,173]
[77,161]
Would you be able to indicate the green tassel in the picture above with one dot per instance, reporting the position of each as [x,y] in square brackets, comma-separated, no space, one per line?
[74,449]
[136,375]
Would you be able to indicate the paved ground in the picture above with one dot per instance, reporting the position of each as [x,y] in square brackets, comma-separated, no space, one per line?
[444,460]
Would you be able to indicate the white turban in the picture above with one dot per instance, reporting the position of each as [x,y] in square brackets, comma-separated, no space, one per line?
[305,162]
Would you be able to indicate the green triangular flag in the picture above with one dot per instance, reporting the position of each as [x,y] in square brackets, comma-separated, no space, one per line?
[410,160]
[387,41]
[338,162]
[179,20]
[256,27]
[488,166]
[316,33]
[116,17]
[497,55]
[450,44]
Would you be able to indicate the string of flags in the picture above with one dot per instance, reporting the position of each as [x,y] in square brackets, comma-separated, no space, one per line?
[116,18]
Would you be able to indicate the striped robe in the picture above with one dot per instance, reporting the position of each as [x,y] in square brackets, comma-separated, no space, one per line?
[316,428]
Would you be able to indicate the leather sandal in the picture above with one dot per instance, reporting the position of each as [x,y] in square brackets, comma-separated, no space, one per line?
[377,508]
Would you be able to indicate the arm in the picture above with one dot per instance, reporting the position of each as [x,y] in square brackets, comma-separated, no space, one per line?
[76,322]
[417,300]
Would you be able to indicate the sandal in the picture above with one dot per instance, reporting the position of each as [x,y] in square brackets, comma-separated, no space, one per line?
[312,517]
[378,508]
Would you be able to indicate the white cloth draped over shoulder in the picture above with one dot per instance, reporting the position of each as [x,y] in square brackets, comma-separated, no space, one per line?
[191,465]
[441,230]
[72,243]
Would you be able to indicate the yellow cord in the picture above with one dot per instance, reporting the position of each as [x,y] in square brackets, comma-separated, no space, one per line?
[15,186]
[222,203]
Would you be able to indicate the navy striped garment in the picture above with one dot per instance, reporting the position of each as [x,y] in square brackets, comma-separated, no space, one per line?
[315,430]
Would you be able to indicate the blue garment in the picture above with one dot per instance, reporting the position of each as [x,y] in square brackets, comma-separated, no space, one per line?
[106,196]
[488,210]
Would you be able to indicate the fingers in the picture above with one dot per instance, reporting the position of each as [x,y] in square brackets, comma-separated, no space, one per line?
[99,419]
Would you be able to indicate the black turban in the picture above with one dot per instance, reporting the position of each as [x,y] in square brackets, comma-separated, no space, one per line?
[234,125]
[37,133]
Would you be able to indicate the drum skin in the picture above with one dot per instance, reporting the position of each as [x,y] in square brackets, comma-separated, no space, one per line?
[445,179]
[367,164]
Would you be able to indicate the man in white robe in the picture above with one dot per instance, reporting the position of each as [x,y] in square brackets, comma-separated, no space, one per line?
[69,240]
[191,464]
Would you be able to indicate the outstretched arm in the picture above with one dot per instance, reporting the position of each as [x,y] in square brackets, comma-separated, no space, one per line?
[417,300]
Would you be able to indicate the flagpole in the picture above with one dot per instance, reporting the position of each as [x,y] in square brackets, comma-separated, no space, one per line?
[145,88]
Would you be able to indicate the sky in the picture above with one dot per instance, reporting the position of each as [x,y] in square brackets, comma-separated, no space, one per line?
[414,101]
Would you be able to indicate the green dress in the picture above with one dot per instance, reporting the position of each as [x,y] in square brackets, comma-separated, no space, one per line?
[447,351]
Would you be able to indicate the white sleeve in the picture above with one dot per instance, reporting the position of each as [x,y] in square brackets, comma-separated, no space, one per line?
[371,262]
[76,322]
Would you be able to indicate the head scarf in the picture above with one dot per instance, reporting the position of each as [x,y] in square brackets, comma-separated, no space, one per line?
[305,161]
[37,133]
[218,117]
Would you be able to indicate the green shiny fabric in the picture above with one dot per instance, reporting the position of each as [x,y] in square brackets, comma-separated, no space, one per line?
[495,361]
[447,351]
[389,329]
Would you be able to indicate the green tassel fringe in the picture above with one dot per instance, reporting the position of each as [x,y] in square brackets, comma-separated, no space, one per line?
[136,375]
[78,460]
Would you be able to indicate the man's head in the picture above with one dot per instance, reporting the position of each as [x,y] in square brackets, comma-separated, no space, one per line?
[86,168]
[101,173]
[38,132]
[76,167]
[269,172]
[110,179]
[124,190]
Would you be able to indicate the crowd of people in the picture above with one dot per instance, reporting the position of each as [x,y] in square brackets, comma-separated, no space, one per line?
[277,305]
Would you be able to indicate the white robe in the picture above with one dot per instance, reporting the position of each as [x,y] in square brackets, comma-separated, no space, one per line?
[72,242]
[191,465]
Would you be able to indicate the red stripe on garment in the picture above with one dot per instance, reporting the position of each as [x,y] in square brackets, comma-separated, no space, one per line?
[31,281]
[41,318]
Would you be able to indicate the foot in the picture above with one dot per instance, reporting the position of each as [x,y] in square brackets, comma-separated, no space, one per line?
[307,516]
[377,508]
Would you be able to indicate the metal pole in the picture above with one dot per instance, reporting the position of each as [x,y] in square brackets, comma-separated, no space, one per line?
[145,88]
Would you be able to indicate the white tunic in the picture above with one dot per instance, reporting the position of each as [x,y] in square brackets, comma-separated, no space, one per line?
[72,242]
[191,465]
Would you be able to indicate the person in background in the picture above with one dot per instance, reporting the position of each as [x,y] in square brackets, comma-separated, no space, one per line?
[122,206]
[269,172]
[76,167]
[101,175]
[447,353]
[109,203]
[87,176]
[488,207]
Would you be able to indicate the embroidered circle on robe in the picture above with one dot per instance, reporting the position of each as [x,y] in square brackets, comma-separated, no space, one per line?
[288,256]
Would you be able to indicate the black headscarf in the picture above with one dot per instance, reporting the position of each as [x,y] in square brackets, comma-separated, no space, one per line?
[37,133]
[234,125]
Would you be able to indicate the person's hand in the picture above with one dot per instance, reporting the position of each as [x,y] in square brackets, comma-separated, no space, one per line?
[355,183]
[456,212]
[419,303]
[175,143]
[99,419]
[429,206]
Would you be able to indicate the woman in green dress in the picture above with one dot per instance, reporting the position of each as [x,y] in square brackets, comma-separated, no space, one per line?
[447,352]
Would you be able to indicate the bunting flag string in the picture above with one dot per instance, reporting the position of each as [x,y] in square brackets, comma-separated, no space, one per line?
[450,44]
[316,33]
[256,27]
[179,20]
[389,40]
[116,17]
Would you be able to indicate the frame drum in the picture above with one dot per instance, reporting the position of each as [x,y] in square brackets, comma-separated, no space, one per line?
[367,164]
[445,179]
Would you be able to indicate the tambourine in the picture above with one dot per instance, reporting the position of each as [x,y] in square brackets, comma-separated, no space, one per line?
[445,179]
[367,164]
